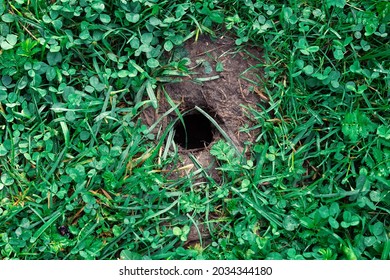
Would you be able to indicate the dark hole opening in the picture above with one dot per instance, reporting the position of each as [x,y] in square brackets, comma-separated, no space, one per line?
[196,132]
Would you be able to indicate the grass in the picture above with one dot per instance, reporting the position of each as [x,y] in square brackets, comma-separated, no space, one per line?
[75,156]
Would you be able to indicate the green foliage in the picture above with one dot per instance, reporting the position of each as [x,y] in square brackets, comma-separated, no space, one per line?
[321,156]
[357,125]
[75,155]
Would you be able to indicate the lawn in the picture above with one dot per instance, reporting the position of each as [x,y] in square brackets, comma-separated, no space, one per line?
[207,129]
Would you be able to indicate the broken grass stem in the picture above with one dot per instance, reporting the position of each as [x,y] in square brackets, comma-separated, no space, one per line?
[206,79]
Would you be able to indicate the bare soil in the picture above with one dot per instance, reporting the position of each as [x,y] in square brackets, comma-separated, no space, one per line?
[222,79]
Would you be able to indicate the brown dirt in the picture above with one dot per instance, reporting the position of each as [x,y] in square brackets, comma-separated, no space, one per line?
[194,238]
[220,93]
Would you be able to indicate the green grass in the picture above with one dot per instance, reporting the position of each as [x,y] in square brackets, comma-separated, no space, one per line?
[75,76]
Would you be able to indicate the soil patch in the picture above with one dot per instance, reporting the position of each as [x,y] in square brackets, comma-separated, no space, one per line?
[222,79]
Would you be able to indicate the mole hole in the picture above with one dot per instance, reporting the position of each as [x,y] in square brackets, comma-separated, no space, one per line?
[196,132]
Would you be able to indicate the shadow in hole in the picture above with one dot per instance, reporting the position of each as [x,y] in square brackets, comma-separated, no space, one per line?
[198,130]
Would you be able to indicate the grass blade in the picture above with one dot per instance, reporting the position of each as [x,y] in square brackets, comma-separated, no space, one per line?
[261,210]
[386,251]
[224,134]
[42,229]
